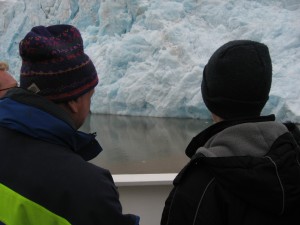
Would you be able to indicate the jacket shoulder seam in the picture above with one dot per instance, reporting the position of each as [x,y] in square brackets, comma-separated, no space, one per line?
[201,199]
[280,183]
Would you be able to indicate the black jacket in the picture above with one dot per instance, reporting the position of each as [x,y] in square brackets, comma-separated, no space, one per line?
[44,170]
[241,173]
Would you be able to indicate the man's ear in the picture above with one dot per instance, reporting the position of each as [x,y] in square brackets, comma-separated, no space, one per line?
[72,106]
[216,118]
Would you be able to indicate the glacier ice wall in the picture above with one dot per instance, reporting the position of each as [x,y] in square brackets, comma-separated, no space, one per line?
[150,54]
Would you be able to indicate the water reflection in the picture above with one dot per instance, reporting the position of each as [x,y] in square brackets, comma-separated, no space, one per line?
[142,144]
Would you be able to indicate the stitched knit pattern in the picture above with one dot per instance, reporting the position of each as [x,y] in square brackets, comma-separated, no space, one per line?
[54,64]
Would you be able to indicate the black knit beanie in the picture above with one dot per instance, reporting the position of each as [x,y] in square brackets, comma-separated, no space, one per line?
[237,79]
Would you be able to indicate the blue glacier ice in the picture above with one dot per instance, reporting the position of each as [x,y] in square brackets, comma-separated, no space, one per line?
[150,54]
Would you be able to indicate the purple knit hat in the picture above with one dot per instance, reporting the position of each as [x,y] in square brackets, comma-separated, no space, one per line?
[54,64]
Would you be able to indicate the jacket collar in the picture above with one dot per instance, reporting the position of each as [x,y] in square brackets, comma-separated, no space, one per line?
[200,140]
[39,118]
[26,97]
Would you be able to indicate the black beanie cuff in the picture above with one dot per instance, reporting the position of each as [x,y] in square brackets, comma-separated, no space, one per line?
[233,109]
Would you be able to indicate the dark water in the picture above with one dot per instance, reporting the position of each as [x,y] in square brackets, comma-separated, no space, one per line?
[135,145]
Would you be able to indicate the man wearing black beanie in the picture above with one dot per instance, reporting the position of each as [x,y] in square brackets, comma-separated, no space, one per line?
[245,168]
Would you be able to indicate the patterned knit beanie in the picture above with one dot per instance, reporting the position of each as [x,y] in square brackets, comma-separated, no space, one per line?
[54,64]
[237,79]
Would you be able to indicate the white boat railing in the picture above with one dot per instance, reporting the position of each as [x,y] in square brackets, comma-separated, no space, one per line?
[144,194]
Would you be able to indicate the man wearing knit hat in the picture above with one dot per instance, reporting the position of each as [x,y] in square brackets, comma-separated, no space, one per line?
[244,169]
[44,177]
